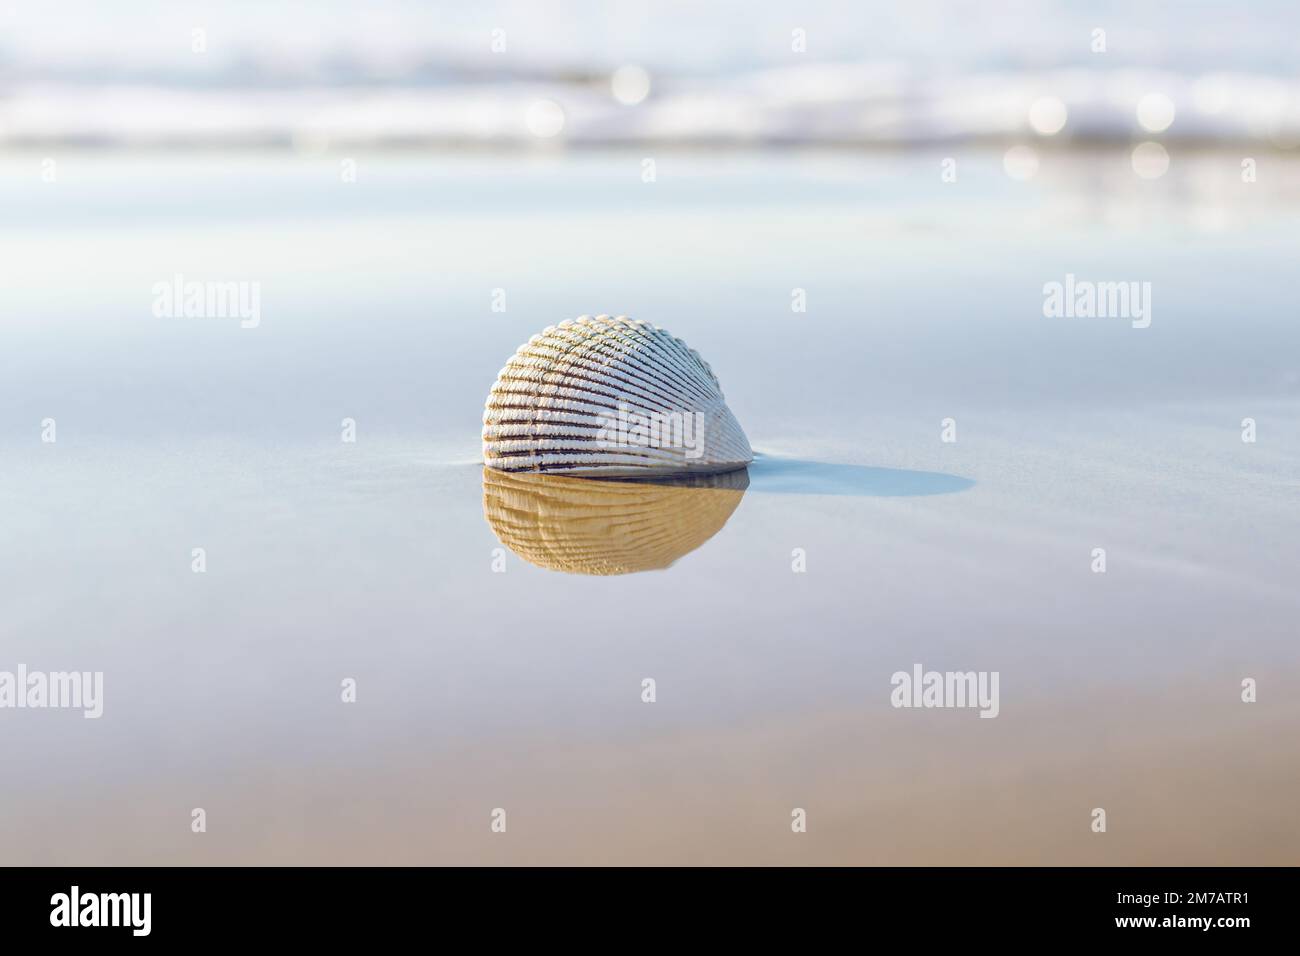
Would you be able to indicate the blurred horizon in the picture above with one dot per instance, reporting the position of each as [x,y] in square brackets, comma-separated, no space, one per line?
[400,72]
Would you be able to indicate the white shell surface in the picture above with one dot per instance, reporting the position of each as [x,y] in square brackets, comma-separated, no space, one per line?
[610,397]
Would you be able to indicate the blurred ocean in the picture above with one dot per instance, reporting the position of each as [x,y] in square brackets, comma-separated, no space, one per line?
[403,72]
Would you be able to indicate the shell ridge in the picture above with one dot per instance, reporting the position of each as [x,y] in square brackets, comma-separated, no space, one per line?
[646,385]
[550,407]
[677,371]
[699,387]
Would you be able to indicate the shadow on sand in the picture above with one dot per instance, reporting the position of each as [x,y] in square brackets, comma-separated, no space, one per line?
[796,476]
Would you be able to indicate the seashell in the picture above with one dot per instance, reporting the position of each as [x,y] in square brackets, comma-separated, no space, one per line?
[589,526]
[610,397]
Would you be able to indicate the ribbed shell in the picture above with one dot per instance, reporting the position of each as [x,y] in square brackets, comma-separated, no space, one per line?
[587,526]
[551,406]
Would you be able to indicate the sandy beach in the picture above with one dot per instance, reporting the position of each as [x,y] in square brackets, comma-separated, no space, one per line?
[479,689]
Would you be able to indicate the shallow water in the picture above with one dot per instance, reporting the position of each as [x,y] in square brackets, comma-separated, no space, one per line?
[522,689]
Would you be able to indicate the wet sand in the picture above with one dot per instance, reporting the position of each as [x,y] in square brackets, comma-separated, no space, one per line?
[479,689]
[879,788]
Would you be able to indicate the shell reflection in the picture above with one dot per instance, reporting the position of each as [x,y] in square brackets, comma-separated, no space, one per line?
[589,526]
